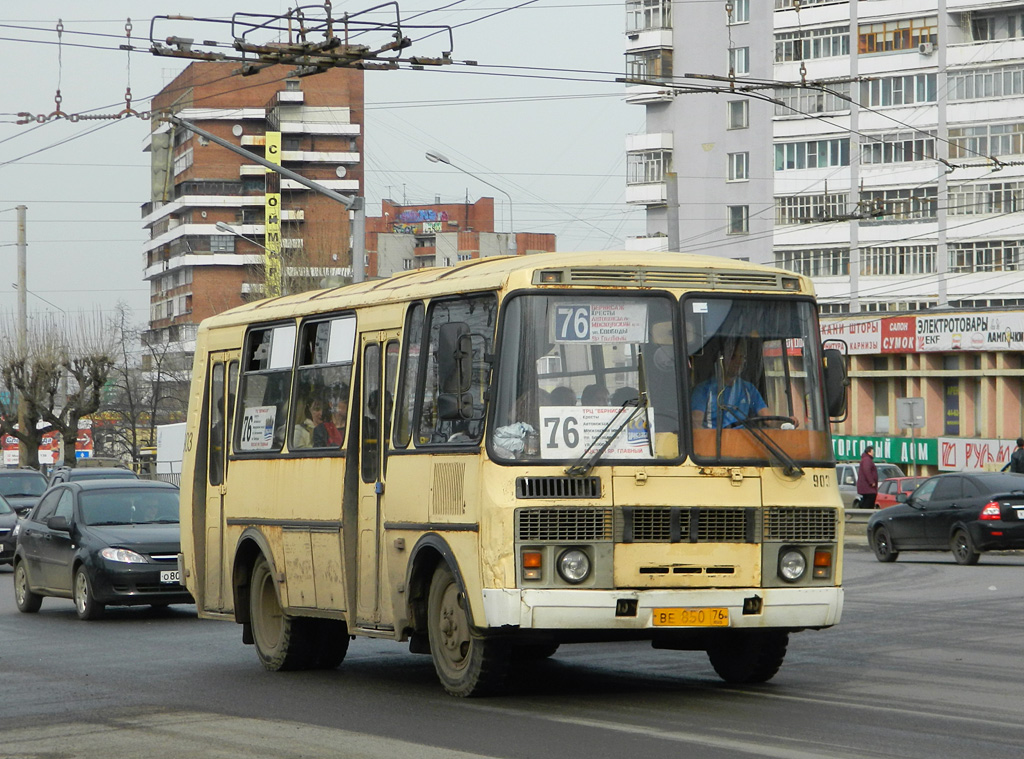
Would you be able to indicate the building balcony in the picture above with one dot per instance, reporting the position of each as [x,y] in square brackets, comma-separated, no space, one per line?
[642,94]
[648,39]
[649,141]
[648,194]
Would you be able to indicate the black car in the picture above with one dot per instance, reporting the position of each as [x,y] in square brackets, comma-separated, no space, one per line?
[21,488]
[8,536]
[85,472]
[966,513]
[101,542]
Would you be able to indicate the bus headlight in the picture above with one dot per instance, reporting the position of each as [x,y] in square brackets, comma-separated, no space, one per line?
[574,566]
[792,565]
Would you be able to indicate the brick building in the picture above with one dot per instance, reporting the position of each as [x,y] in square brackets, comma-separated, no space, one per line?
[195,269]
[441,234]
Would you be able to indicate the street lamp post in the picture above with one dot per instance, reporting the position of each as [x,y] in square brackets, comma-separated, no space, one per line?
[435,157]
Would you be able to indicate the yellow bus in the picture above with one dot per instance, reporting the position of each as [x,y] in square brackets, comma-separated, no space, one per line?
[494,459]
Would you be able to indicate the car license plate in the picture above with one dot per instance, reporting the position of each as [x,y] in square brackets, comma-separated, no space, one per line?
[171,575]
[712,617]
[1020,513]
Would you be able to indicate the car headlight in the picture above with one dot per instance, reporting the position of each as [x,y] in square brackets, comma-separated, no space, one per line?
[574,566]
[123,555]
[17,529]
[792,565]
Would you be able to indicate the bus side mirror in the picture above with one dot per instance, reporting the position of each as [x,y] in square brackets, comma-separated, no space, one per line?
[836,383]
[454,371]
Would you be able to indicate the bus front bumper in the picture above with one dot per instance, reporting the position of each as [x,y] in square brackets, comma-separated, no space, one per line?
[791,608]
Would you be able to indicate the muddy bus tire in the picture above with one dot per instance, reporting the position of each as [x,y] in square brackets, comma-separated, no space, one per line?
[467,663]
[746,657]
[282,642]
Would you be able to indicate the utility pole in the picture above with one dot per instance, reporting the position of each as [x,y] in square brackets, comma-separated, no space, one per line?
[22,322]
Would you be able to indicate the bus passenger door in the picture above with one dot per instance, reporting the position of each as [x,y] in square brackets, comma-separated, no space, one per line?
[223,387]
[378,367]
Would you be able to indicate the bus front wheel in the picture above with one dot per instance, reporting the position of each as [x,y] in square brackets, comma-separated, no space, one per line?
[745,657]
[467,663]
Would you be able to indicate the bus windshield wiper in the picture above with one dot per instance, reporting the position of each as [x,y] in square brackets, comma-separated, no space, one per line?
[582,468]
[750,424]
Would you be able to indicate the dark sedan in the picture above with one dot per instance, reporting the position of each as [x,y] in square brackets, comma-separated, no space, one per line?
[966,513]
[21,488]
[8,521]
[101,542]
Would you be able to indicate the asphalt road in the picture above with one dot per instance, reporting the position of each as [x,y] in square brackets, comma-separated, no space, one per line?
[927,662]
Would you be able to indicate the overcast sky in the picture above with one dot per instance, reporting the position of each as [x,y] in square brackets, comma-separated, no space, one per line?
[525,119]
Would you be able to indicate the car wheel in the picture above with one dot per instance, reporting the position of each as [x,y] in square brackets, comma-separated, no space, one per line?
[963,548]
[745,657]
[881,544]
[26,600]
[86,605]
[467,663]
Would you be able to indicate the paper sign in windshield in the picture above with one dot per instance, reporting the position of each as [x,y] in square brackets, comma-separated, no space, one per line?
[257,432]
[601,323]
[567,431]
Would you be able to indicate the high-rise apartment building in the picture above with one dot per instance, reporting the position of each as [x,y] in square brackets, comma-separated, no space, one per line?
[196,269]
[895,178]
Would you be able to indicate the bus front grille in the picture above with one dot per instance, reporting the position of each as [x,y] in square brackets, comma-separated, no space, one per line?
[818,525]
[558,487]
[677,524]
[564,525]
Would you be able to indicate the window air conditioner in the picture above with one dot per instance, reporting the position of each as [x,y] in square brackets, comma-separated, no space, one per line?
[926,48]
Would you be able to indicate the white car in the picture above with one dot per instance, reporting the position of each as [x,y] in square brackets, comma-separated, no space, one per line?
[846,473]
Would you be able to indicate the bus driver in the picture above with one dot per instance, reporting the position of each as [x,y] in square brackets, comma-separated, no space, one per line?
[740,398]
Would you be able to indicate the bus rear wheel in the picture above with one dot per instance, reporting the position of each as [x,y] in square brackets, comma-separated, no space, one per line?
[745,657]
[467,663]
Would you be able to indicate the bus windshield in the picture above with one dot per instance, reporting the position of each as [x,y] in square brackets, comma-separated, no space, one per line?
[754,371]
[581,373]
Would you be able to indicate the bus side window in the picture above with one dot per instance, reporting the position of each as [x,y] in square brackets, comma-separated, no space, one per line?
[322,381]
[265,387]
[478,312]
[404,417]
[371,412]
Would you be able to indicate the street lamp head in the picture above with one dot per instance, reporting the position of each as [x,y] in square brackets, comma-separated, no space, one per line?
[437,158]
[225,227]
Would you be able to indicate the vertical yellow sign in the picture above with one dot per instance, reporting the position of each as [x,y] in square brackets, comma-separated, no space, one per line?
[272,217]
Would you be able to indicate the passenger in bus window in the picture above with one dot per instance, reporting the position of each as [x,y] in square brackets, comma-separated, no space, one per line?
[563,396]
[302,437]
[623,395]
[327,434]
[595,395]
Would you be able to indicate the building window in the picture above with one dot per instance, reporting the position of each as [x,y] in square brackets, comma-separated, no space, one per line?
[739,114]
[802,209]
[896,35]
[986,140]
[898,147]
[815,262]
[739,61]
[648,14]
[655,65]
[739,167]
[905,204]
[739,220]
[898,90]
[784,4]
[985,255]
[975,84]
[182,161]
[648,166]
[986,197]
[796,101]
[292,85]
[894,260]
[813,154]
[807,44]
[739,12]
[222,244]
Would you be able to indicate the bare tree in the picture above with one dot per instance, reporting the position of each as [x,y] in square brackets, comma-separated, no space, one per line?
[148,386]
[59,374]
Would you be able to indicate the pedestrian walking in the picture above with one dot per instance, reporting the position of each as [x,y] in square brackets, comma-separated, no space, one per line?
[1016,463]
[867,478]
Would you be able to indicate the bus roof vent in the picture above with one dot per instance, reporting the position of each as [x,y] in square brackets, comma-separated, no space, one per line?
[642,276]
[558,487]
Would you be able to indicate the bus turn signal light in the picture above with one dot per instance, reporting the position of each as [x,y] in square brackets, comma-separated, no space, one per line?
[822,563]
[532,565]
